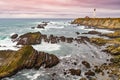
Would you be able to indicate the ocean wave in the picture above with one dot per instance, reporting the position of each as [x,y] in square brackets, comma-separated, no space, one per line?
[7,44]
[47,47]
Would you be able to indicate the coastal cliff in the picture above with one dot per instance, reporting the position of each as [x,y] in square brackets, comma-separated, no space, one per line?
[25,58]
[110,23]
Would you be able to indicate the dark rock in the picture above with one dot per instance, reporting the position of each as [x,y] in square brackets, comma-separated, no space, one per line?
[69,40]
[53,39]
[77,33]
[97,70]
[75,72]
[53,74]
[90,73]
[86,64]
[93,32]
[84,38]
[65,73]
[78,40]
[75,63]
[42,25]
[32,27]
[62,38]
[29,39]
[14,36]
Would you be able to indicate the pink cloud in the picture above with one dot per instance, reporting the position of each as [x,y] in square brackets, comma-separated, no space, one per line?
[57,7]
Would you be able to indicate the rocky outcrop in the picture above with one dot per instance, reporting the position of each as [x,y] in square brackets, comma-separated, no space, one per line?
[98,41]
[25,58]
[113,49]
[29,39]
[75,72]
[110,23]
[13,36]
[42,26]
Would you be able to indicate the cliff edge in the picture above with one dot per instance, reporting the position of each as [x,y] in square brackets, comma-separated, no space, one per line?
[108,23]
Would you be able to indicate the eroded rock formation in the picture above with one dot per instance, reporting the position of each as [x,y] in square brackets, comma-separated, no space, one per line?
[25,58]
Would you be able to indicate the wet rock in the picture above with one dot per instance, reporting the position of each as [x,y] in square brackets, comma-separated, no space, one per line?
[75,63]
[86,64]
[65,73]
[25,58]
[93,32]
[83,79]
[78,40]
[32,27]
[77,33]
[63,39]
[53,74]
[97,70]
[29,39]
[90,73]
[69,40]
[84,38]
[53,39]
[75,72]
[42,26]
[13,36]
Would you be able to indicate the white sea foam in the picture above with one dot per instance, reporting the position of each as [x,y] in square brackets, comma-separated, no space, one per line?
[100,30]
[47,47]
[56,27]
[7,44]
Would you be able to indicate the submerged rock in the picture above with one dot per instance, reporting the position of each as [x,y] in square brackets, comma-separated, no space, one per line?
[77,33]
[29,39]
[42,26]
[25,58]
[86,64]
[90,73]
[75,72]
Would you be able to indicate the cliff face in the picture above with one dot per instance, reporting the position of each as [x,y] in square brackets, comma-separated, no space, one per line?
[25,58]
[110,23]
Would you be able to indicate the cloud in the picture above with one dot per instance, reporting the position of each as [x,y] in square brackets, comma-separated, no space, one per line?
[57,8]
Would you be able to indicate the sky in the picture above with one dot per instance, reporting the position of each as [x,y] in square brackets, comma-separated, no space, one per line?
[58,8]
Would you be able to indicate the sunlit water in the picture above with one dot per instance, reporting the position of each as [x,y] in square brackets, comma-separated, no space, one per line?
[65,51]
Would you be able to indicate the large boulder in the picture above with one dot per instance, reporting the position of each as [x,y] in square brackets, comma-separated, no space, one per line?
[25,58]
[29,39]
[13,36]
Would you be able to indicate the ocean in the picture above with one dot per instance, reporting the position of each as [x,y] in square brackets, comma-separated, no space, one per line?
[65,51]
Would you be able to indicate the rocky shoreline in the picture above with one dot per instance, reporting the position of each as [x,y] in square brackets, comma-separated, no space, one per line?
[112,43]
[27,57]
